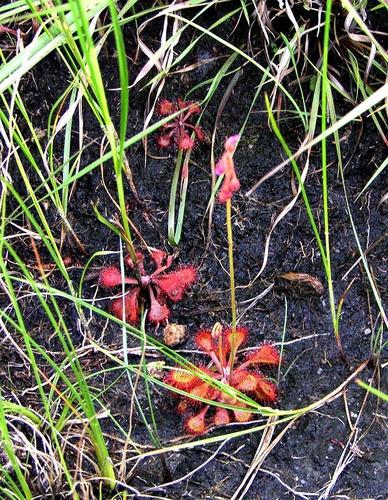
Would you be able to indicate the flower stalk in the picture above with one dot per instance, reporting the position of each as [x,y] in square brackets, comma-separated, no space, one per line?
[233,307]
[231,184]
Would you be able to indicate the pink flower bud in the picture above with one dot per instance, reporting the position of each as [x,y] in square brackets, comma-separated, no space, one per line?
[234,185]
[225,194]
[231,143]
[220,167]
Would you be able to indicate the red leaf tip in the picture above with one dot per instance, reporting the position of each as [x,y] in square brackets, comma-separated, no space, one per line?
[158,256]
[205,341]
[266,354]
[240,336]
[110,277]
[182,379]
[164,141]
[174,284]
[242,415]
[246,381]
[267,391]
[196,423]
[221,416]
[131,304]
[195,108]
[158,312]
[185,142]
[165,107]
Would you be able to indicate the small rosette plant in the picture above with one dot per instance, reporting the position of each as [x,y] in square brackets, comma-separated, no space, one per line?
[245,376]
[154,289]
[178,132]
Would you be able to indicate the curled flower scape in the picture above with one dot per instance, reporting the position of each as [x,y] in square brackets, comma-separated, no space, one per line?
[225,166]
[179,130]
[153,288]
[245,377]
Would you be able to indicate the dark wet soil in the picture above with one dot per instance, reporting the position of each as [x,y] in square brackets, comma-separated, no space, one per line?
[306,458]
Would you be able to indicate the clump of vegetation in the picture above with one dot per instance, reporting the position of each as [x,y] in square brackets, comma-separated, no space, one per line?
[179,130]
[149,288]
[244,376]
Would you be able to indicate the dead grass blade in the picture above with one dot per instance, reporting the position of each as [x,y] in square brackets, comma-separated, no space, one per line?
[305,279]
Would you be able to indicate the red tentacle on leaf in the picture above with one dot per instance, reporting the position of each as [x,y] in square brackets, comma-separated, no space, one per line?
[196,423]
[131,305]
[266,354]
[205,341]
[175,284]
